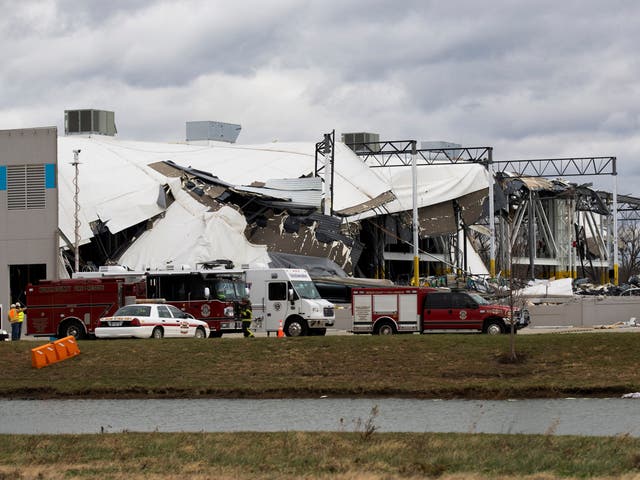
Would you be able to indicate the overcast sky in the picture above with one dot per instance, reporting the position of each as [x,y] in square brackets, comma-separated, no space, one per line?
[532,79]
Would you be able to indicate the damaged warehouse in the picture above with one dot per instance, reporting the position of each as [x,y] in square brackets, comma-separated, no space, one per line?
[182,204]
[177,204]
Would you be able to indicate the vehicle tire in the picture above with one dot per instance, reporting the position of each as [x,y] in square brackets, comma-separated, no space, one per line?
[494,327]
[72,328]
[385,328]
[296,327]
[215,334]
[200,333]
[157,333]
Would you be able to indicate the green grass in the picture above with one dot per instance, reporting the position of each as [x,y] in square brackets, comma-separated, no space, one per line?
[316,455]
[421,366]
[443,366]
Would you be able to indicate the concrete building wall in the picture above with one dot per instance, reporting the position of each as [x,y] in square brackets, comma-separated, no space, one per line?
[28,210]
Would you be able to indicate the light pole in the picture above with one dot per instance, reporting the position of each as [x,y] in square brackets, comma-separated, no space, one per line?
[414,198]
[76,243]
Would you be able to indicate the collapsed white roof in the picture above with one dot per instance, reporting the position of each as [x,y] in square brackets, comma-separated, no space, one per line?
[117,187]
[437,183]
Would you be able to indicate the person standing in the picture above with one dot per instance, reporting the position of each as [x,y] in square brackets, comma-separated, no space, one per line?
[21,310]
[246,315]
[16,326]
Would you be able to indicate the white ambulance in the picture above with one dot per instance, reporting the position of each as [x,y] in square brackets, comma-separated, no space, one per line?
[286,299]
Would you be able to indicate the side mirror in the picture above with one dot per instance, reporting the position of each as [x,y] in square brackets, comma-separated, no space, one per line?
[292,294]
[207,293]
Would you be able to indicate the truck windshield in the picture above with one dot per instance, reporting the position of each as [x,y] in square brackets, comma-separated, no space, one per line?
[478,299]
[228,289]
[305,289]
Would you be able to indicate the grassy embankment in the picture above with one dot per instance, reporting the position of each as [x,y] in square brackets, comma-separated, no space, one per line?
[427,366]
[442,366]
[288,455]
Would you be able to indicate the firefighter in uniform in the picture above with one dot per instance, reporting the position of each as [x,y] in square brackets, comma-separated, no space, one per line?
[246,315]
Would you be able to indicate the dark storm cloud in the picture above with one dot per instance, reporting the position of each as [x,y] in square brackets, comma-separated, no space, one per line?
[533,79]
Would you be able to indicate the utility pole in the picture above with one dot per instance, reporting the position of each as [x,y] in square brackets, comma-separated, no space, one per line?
[328,152]
[414,189]
[76,243]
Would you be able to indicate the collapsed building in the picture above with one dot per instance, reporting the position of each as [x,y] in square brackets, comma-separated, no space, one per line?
[157,205]
[342,210]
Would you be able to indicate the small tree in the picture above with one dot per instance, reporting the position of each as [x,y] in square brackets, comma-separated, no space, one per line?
[629,249]
[517,304]
[510,290]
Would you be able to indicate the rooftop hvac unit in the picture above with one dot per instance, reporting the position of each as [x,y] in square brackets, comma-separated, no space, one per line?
[451,150]
[361,142]
[208,130]
[89,121]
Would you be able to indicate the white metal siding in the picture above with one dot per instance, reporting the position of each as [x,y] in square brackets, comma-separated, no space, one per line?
[408,317]
[385,304]
[361,310]
[408,307]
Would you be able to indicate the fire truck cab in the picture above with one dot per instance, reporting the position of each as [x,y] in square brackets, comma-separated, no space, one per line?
[387,311]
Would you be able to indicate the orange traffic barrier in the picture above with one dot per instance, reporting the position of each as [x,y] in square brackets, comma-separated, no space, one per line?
[68,346]
[61,350]
[280,331]
[50,353]
[38,358]
[54,352]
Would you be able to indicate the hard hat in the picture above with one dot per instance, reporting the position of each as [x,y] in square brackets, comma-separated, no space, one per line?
[18,305]
[13,305]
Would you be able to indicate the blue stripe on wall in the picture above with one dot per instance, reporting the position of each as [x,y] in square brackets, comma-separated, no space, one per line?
[50,175]
[3,178]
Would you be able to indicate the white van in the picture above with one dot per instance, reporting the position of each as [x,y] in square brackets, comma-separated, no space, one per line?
[287,298]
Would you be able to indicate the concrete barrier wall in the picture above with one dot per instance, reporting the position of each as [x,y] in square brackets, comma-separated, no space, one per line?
[585,312]
[574,312]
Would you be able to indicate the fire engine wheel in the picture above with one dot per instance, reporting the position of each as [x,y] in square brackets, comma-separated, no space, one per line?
[72,328]
[200,333]
[215,334]
[385,328]
[493,327]
[296,327]
[157,333]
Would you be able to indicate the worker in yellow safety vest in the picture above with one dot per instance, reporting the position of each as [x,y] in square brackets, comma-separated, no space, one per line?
[246,315]
[16,321]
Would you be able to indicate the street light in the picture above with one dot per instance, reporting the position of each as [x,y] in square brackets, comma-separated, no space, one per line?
[414,195]
[76,243]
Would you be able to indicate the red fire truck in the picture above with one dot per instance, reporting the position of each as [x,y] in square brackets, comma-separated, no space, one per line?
[72,307]
[387,311]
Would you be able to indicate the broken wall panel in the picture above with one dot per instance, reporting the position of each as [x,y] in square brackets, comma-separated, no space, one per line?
[321,238]
[371,204]
[439,219]
[472,206]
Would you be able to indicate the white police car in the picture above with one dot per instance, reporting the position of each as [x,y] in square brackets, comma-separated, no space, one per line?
[151,320]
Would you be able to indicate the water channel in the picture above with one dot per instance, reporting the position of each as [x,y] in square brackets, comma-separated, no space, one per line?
[583,416]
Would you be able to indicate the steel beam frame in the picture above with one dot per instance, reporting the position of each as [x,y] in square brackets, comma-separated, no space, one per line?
[399,154]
